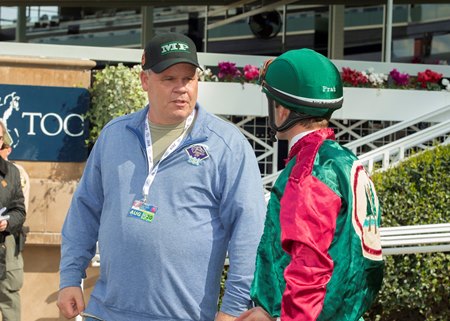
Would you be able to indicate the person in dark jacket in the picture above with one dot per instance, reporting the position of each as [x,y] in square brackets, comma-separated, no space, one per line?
[11,221]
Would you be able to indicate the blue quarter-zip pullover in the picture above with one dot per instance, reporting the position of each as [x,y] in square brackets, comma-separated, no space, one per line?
[169,268]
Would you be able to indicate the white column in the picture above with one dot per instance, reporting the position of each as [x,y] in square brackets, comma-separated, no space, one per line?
[388,31]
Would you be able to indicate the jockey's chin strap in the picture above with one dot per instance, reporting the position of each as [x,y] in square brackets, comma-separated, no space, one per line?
[293,118]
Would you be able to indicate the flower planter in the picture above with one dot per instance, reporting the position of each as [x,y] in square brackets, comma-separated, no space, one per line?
[359,103]
[390,104]
[229,98]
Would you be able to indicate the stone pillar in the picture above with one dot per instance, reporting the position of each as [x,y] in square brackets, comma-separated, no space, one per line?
[52,186]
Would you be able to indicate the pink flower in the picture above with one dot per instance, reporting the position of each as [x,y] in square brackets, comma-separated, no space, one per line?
[251,73]
[228,71]
[399,78]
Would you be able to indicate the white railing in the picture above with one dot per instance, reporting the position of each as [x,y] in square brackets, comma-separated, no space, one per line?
[408,239]
[415,239]
[443,113]
[402,239]
[396,151]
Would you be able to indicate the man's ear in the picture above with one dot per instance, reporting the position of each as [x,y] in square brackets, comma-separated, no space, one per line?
[282,113]
[144,80]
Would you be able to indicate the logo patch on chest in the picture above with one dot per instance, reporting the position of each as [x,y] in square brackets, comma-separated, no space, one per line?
[197,154]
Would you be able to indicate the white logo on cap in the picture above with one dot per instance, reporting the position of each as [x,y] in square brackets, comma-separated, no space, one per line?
[174,47]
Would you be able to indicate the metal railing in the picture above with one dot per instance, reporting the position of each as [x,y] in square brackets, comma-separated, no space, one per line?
[415,239]
[396,151]
[368,140]
[408,239]
[392,153]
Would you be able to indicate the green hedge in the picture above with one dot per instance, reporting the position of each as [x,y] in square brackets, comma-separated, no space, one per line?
[416,286]
[116,91]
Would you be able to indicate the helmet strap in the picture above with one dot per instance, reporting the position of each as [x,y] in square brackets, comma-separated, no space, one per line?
[293,118]
[272,105]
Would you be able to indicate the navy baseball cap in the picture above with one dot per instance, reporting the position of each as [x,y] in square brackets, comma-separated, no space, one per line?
[167,49]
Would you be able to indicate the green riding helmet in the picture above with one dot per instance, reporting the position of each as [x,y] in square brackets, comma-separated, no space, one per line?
[303,81]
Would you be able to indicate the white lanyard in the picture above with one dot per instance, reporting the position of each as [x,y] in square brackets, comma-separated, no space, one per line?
[148,142]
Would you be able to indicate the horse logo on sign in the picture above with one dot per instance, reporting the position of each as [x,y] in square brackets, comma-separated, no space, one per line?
[10,104]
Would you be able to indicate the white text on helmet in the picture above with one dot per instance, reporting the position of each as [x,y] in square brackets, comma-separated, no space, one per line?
[326,89]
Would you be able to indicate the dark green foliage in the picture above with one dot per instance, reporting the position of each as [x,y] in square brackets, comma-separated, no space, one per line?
[223,279]
[116,91]
[416,286]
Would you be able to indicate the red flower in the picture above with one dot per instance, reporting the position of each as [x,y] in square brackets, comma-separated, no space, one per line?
[428,77]
[353,77]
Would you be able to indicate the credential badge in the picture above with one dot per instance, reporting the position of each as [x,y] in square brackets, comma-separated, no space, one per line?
[197,153]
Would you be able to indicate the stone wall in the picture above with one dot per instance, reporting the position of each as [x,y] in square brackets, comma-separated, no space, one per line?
[52,186]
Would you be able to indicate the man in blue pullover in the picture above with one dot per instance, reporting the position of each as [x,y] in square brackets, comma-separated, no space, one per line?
[183,190]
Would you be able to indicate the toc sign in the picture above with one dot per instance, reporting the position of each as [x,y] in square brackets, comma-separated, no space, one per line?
[45,123]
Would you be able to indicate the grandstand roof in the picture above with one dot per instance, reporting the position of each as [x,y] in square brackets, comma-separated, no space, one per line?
[165,3]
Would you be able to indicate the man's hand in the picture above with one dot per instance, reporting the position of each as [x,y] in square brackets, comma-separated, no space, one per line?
[255,314]
[70,301]
[3,225]
[224,317]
